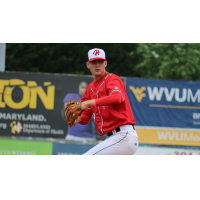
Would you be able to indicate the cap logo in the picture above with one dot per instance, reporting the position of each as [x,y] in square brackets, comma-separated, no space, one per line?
[96,52]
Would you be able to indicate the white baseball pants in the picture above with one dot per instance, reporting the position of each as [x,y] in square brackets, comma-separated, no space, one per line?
[124,142]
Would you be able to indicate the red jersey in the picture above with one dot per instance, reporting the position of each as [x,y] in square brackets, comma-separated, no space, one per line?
[107,117]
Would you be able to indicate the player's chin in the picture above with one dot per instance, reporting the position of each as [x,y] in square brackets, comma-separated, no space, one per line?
[97,72]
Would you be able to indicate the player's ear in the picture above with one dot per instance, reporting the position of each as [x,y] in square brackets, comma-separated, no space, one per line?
[106,63]
[87,64]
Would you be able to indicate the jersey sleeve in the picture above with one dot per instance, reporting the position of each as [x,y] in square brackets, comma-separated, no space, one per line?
[86,116]
[111,100]
[115,85]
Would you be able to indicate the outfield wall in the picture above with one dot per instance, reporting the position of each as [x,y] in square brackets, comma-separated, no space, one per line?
[32,105]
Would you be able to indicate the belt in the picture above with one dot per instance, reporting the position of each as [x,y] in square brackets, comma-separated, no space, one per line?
[119,129]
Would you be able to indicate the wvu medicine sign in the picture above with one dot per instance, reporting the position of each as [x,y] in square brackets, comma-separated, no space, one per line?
[166,112]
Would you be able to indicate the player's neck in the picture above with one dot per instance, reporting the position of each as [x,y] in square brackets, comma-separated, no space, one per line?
[97,77]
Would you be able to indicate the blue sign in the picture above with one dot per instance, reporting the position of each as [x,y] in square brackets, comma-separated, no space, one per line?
[164,103]
[70,149]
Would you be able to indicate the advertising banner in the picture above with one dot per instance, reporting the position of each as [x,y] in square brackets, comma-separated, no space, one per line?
[165,151]
[17,147]
[32,104]
[70,148]
[166,112]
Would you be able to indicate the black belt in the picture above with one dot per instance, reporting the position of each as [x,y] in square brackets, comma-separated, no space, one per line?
[110,133]
[117,130]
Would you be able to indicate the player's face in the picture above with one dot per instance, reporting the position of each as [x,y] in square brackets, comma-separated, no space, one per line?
[82,88]
[97,67]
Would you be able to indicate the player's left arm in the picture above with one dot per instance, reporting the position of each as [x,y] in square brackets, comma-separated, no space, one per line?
[116,86]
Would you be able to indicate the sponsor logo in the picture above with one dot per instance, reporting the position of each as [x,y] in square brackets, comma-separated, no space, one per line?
[20,116]
[168,136]
[138,92]
[184,95]
[175,136]
[169,94]
[36,128]
[30,93]
[16,127]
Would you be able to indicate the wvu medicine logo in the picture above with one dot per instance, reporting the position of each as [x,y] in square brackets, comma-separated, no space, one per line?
[16,127]
[138,92]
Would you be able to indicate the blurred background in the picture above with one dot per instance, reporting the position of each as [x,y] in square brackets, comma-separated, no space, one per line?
[38,79]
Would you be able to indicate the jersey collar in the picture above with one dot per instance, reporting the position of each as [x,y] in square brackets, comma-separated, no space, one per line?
[100,80]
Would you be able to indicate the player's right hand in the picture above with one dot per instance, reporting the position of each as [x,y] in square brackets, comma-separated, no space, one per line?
[79,118]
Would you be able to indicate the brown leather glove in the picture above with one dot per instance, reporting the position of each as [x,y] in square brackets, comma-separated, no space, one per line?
[72,111]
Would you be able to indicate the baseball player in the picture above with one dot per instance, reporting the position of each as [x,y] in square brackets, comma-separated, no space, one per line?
[106,99]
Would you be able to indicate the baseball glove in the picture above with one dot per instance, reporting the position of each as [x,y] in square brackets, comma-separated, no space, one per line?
[72,111]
